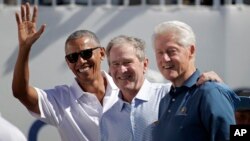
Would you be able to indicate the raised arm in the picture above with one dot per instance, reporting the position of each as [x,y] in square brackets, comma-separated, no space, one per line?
[27,35]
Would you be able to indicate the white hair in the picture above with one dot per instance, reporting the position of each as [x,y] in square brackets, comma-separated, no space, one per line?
[181,32]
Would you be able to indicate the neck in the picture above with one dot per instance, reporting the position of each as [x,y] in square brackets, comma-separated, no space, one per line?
[96,87]
[179,81]
[128,96]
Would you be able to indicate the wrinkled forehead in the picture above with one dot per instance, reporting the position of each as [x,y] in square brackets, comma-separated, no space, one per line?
[122,53]
[123,49]
[163,39]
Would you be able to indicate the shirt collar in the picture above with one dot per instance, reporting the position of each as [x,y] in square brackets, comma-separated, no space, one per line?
[76,89]
[109,80]
[142,95]
[190,82]
[78,92]
[121,103]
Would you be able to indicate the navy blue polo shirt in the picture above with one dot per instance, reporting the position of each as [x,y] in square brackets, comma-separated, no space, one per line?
[196,113]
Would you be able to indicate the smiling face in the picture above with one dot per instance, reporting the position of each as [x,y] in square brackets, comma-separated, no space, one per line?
[175,62]
[85,70]
[125,68]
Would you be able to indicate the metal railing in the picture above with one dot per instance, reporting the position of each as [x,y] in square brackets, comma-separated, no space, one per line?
[214,3]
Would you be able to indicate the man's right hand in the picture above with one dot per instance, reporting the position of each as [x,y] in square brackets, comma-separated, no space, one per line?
[26,24]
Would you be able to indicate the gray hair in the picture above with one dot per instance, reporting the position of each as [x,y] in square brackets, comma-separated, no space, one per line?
[137,44]
[83,33]
[182,33]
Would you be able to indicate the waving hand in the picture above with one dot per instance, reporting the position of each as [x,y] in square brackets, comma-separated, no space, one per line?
[26,24]
[27,35]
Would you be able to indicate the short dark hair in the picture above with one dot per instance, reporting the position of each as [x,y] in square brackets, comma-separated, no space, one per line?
[83,33]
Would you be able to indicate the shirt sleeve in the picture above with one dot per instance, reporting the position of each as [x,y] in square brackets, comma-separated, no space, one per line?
[217,111]
[47,107]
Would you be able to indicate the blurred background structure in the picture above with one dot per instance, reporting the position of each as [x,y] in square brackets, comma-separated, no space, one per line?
[128,2]
[222,29]
[242,113]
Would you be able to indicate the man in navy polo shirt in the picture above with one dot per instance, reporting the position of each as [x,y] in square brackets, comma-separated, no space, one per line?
[189,112]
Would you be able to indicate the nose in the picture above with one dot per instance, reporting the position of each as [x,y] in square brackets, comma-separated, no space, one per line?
[166,57]
[80,60]
[122,68]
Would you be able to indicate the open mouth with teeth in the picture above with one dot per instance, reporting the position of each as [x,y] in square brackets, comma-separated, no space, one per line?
[84,69]
[125,77]
[168,67]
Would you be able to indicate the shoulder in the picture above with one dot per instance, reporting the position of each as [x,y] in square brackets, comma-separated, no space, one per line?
[217,92]
[211,86]
[157,90]
[58,94]
[161,86]
[57,90]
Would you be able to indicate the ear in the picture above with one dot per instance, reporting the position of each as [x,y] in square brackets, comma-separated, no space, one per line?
[103,53]
[192,51]
[145,65]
